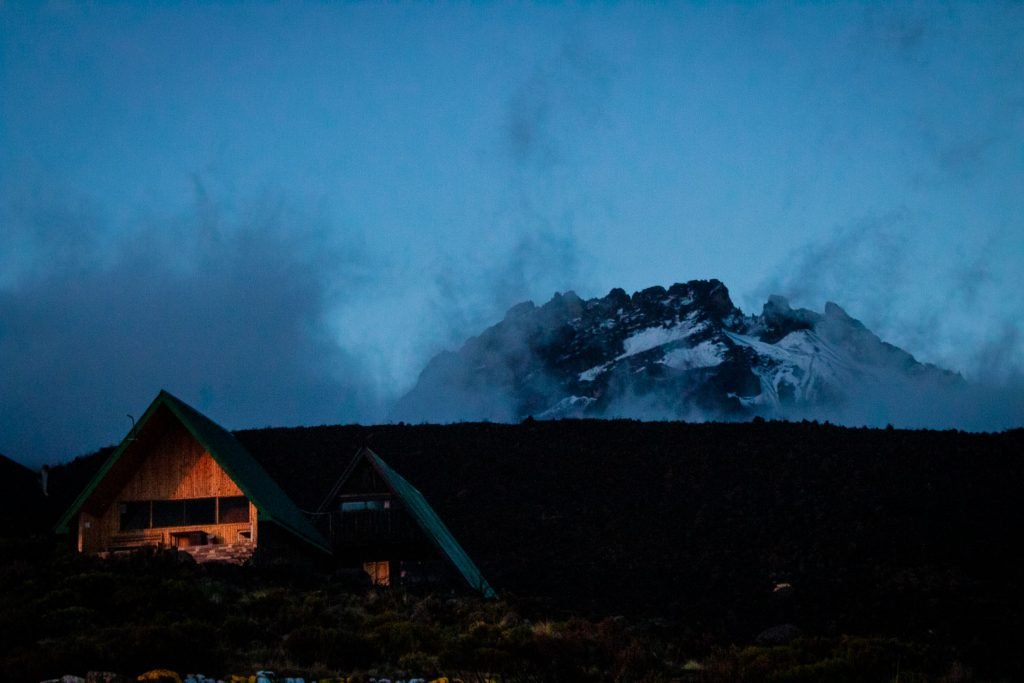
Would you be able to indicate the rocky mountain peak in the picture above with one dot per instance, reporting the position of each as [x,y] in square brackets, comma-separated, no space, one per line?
[681,352]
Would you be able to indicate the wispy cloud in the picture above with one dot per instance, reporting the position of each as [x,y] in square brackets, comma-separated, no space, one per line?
[229,310]
[970,323]
[868,259]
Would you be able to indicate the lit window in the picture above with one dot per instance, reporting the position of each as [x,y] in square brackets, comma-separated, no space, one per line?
[358,505]
[379,571]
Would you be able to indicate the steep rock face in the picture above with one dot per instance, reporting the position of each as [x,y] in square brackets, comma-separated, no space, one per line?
[685,352]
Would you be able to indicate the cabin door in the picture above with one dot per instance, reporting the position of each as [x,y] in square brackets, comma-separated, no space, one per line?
[90,538]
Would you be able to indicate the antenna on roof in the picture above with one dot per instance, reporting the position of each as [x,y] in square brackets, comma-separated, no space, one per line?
[134,437]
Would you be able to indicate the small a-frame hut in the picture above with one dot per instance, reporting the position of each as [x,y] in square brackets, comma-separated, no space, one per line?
[379,521]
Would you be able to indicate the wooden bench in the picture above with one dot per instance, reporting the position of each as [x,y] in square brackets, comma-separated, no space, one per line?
[136,539]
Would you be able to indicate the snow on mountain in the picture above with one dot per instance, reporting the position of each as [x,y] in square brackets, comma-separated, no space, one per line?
[654,337]
[704,355]
[685,352]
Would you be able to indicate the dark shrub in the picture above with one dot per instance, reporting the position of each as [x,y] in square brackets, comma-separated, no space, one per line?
[307,645]
[239,632]
[348,650]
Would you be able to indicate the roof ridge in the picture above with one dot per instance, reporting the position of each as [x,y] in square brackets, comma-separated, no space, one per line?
[345,475]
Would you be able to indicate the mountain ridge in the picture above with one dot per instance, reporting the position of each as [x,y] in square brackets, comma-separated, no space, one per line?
[685,352]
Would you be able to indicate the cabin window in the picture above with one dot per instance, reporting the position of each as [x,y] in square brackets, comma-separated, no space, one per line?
[200,511]
[380,572]
[358,505]
[184,512]
[134,515]
[168,513]
[234,510]
[154,514]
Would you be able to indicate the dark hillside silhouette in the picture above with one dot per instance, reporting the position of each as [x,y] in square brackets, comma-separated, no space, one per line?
[882,532]
[23,508]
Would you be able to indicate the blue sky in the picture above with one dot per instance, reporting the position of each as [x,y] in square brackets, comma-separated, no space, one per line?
[281,211]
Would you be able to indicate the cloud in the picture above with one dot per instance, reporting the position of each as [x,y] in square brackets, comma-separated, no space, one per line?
[262,311]
[956,311]
[228,310]
[528,248]
[560,95]
[903,30]
[550,119]
[867,260]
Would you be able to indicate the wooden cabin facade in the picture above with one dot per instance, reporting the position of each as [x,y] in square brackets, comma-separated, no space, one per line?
[177,496]
[180,480]
[367,526]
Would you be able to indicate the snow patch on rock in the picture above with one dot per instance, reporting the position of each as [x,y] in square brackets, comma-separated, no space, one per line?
[592,374]
[707,354]
[802,363]
[653,337]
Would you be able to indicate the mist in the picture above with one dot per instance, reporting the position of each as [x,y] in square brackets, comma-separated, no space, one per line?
[283,224]
[969,324]
[227,310]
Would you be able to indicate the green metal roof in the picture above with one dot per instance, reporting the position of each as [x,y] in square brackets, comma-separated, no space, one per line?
[430,523]
[271,502]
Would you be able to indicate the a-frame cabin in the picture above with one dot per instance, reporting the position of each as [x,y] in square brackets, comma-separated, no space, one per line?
[179,479]
[378,521]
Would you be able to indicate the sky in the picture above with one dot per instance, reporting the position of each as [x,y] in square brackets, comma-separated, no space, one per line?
[280,212]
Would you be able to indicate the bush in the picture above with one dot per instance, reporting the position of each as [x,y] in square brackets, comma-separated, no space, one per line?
[419,664]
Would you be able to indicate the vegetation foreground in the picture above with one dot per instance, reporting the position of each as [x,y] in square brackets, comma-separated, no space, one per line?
[763,551]
[63,613]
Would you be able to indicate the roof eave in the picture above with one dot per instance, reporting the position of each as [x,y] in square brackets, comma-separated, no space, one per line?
[62,526]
